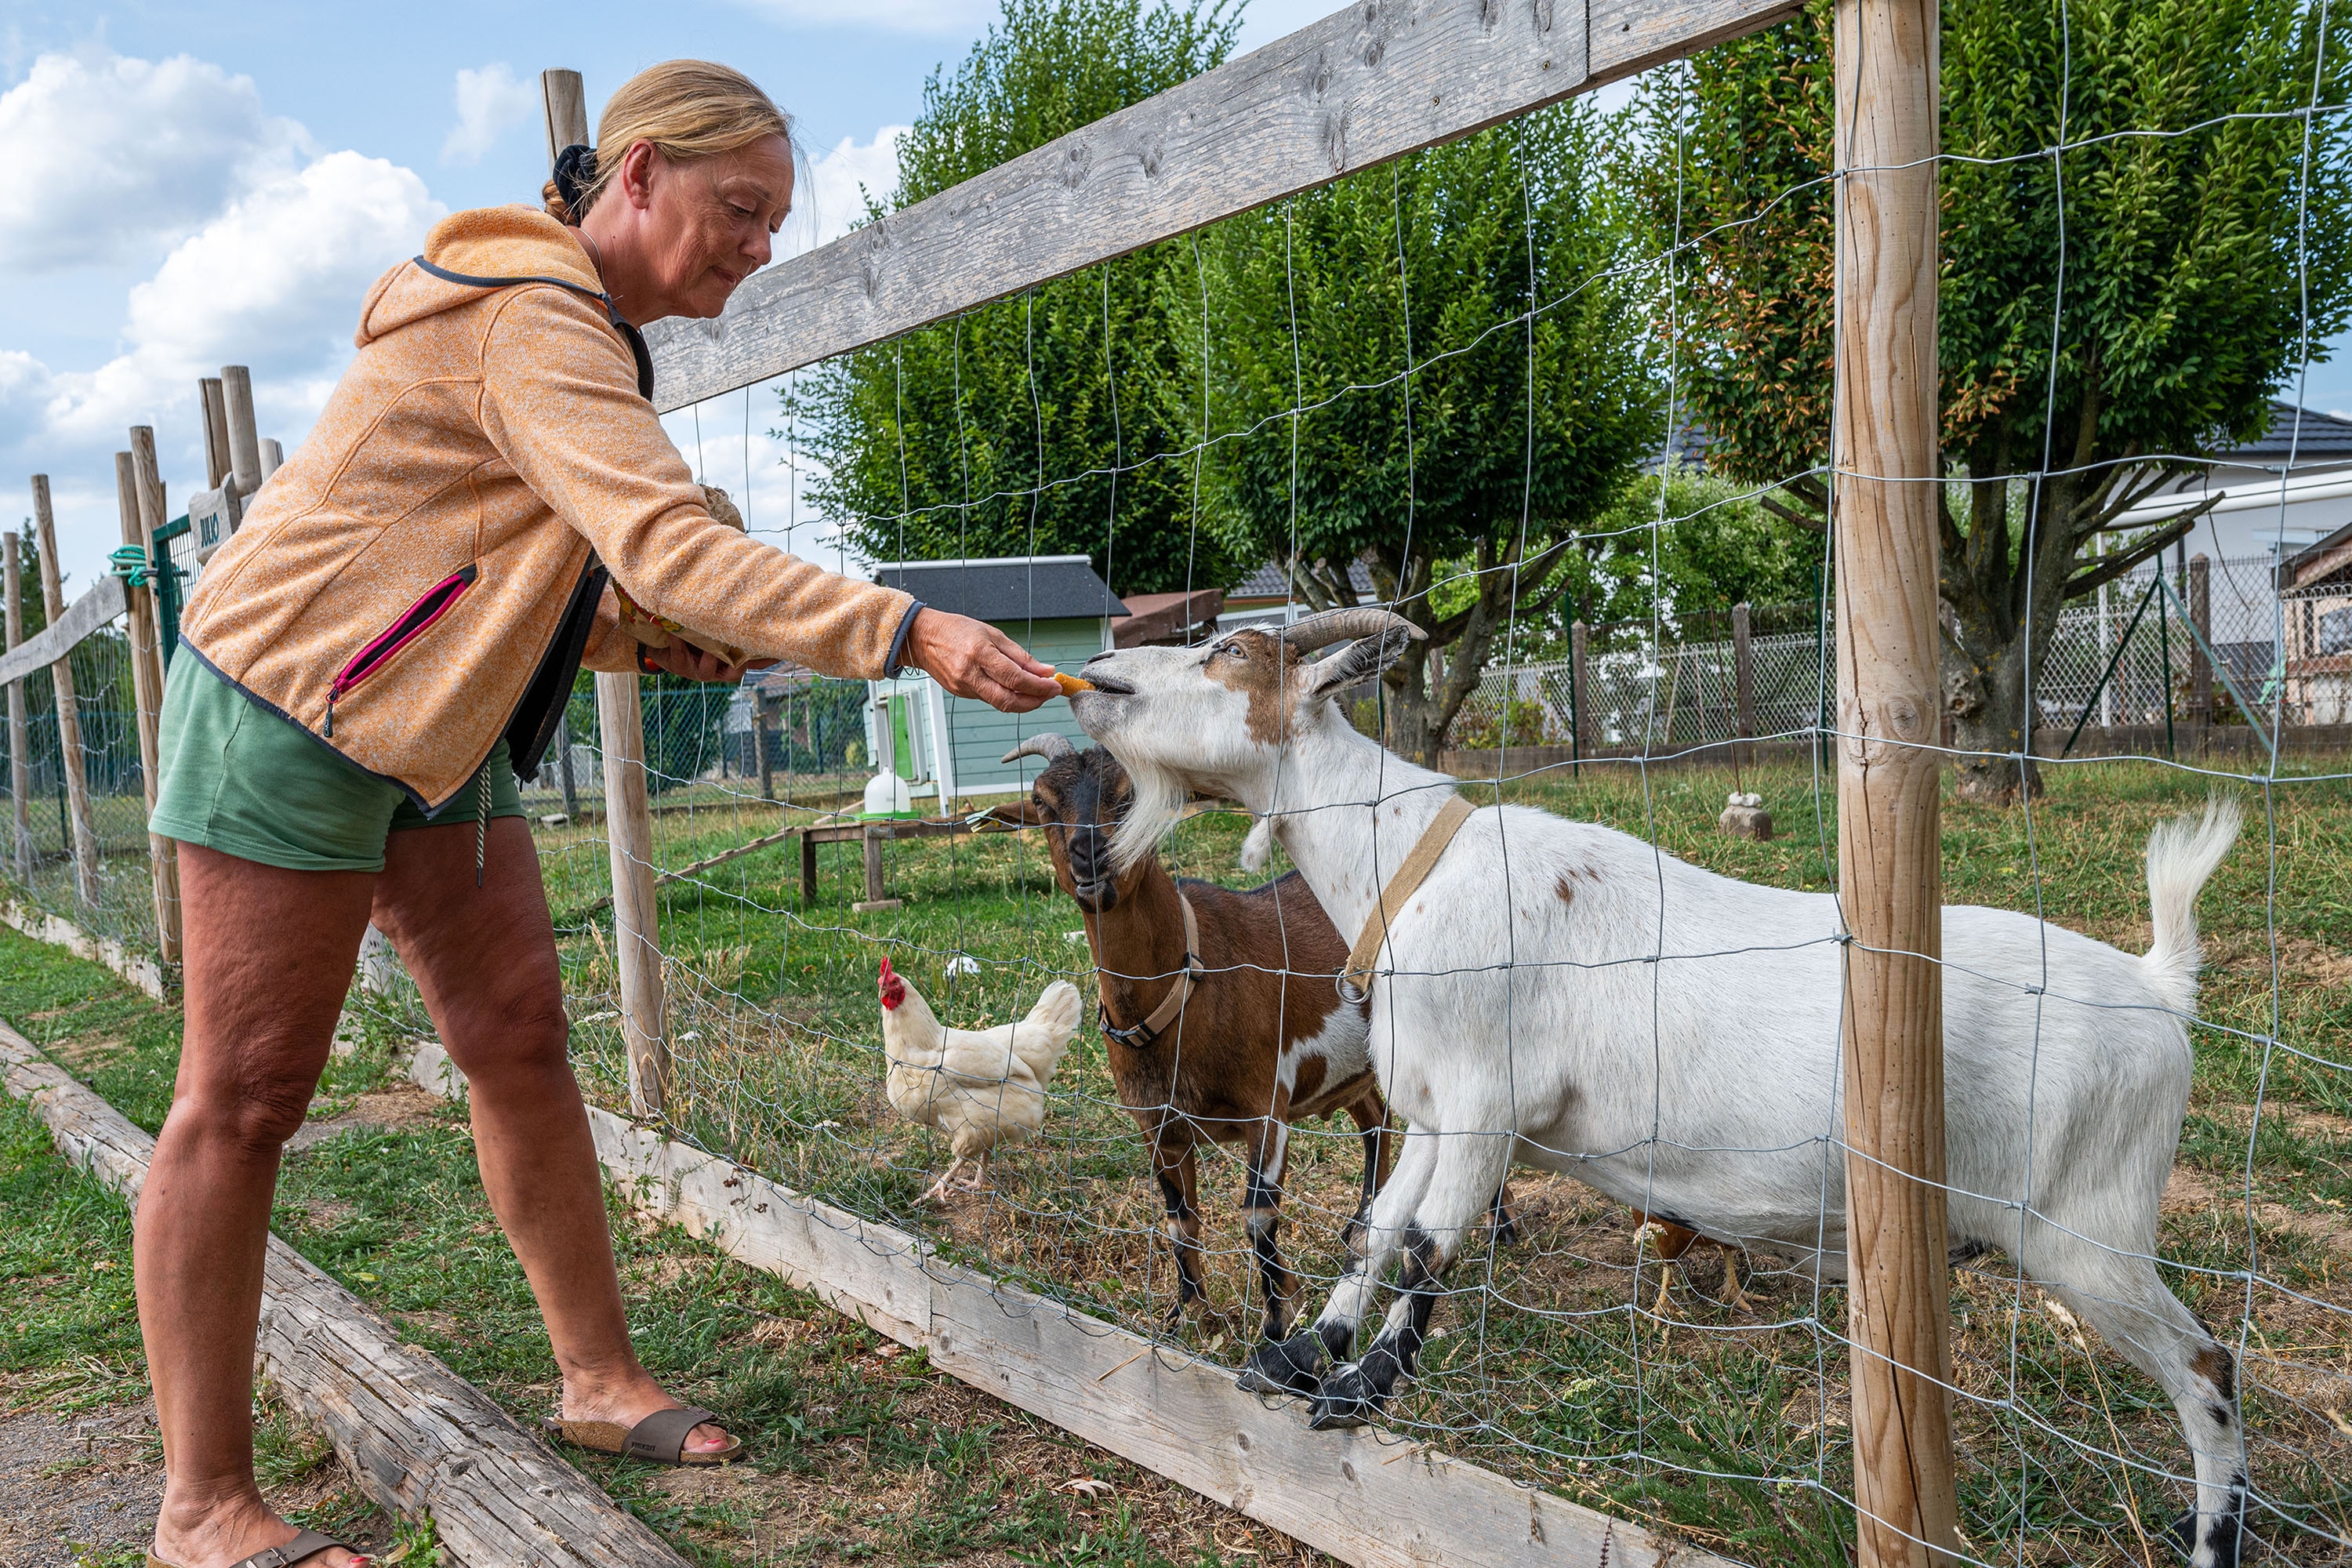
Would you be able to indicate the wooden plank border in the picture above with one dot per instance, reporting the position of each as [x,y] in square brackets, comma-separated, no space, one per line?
[156,979]
[417,1438]
[1379,79]
[1364,1497]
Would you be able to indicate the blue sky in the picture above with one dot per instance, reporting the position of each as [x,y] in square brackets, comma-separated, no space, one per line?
[207,183]
[218,183]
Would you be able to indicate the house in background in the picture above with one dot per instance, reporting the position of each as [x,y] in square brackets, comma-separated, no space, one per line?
[1169,619]
[1263,598]
[947,747]
[2316,592]
[2277,495]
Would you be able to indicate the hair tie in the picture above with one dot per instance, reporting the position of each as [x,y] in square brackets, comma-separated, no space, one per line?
[575,170]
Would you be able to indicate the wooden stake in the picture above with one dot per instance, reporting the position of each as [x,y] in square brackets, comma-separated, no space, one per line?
[1885,469]
[628,815]
[763,707]
[1743,673]
[53,594]
[2201,615]
[244,432]
[20,761]
[1581,728]
[141,484]
[217,458]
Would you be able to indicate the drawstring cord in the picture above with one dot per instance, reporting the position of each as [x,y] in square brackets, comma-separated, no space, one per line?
[482,823]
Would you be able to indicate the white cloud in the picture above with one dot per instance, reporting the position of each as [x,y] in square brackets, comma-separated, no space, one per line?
[273,282]
[110,154]
[839,182]
[490,102]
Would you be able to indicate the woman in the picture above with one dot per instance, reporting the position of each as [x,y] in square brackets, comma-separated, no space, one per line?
[389,636]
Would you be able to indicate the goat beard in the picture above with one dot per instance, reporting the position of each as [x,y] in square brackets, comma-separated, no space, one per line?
[1258,847]
[1157,804]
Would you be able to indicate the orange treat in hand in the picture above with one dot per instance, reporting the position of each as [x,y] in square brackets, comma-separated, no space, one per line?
[1071,685]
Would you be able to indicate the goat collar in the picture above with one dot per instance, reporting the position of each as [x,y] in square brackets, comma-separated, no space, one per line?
[1172,1004]
[1356,980]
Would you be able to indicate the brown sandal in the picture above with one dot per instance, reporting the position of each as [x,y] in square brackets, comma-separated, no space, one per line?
[659,1438]
[301,1549]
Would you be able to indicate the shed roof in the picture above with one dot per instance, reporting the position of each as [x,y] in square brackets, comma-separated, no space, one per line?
[1007,588]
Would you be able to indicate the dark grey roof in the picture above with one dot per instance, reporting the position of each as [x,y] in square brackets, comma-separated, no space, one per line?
[1271,582]
[1007,589]
[2321,441]
[1687,450]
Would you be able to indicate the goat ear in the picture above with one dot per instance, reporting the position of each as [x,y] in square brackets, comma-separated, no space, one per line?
[1013,813]
[1360,660]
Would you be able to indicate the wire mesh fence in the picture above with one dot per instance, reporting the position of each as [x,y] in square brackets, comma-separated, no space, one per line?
[1651,1314]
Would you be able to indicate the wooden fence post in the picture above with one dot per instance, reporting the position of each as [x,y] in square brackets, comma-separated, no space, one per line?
[628,815]
[2201,615]
[243,433]
[1885,459]
[20,761]
[53,595]
[141,484]
[215,409]
[563,767]
[763,706]
[1743,673]
[1579,691]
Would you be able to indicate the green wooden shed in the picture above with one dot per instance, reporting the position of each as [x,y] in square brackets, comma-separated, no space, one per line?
[946,746]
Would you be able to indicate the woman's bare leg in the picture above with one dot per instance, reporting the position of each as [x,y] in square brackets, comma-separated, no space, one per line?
[485,959]
[269,958]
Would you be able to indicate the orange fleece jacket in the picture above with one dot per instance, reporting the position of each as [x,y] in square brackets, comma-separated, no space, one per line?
[394,586]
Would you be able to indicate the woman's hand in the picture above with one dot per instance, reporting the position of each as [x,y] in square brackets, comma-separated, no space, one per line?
[682,657]
[972,658]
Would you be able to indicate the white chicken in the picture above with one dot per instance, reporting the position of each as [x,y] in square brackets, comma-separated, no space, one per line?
[981,1087]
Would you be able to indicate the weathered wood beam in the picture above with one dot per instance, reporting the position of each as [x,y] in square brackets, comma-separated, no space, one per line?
[1363,1495]
[53,642]
[1379,79]
[416,1438]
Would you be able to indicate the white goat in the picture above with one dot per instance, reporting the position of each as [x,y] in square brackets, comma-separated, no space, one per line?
[1568,998]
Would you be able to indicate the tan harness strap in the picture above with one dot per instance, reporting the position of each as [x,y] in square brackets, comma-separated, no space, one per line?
[1355,981]
[1172,1004]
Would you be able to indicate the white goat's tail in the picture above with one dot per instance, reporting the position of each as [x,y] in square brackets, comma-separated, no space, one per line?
[2181,854]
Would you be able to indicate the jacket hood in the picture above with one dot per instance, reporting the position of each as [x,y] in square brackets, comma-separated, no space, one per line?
[509,243]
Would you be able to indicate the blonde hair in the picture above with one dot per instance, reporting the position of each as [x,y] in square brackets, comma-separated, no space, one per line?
[688,109]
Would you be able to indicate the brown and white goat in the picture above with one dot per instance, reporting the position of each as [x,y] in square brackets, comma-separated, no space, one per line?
[1262,1039]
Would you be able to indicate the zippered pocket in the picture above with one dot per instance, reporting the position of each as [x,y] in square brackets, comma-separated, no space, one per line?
[413,624]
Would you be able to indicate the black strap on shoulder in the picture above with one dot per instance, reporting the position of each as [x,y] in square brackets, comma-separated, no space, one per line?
[629,333]
[536,717]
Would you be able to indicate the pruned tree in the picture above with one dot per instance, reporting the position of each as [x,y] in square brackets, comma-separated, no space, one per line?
[2101,343]
[1027,425]
[1434,367]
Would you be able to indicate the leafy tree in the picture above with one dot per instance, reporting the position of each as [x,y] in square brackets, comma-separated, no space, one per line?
[2199,266]
[1026,426]
[1433,261]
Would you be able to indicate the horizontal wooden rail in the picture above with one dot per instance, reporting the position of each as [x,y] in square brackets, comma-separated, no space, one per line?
[102,603]
[1377,80]
[1365,1497]
[417,1437]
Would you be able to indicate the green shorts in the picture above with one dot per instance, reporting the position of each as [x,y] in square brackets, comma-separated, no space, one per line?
[241,779]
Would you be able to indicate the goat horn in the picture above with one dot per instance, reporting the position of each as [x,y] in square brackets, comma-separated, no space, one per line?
[1051,745]
[1344,626]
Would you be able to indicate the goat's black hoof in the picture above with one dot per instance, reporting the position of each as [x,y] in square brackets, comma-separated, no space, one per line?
[1347,1398]
[1507,1227]
[1293,1365]
[2225,1540]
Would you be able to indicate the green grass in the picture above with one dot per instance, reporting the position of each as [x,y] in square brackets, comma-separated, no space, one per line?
[1730,1429]
[829,1411]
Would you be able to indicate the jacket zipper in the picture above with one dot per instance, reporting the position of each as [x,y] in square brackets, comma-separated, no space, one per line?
[412,625]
